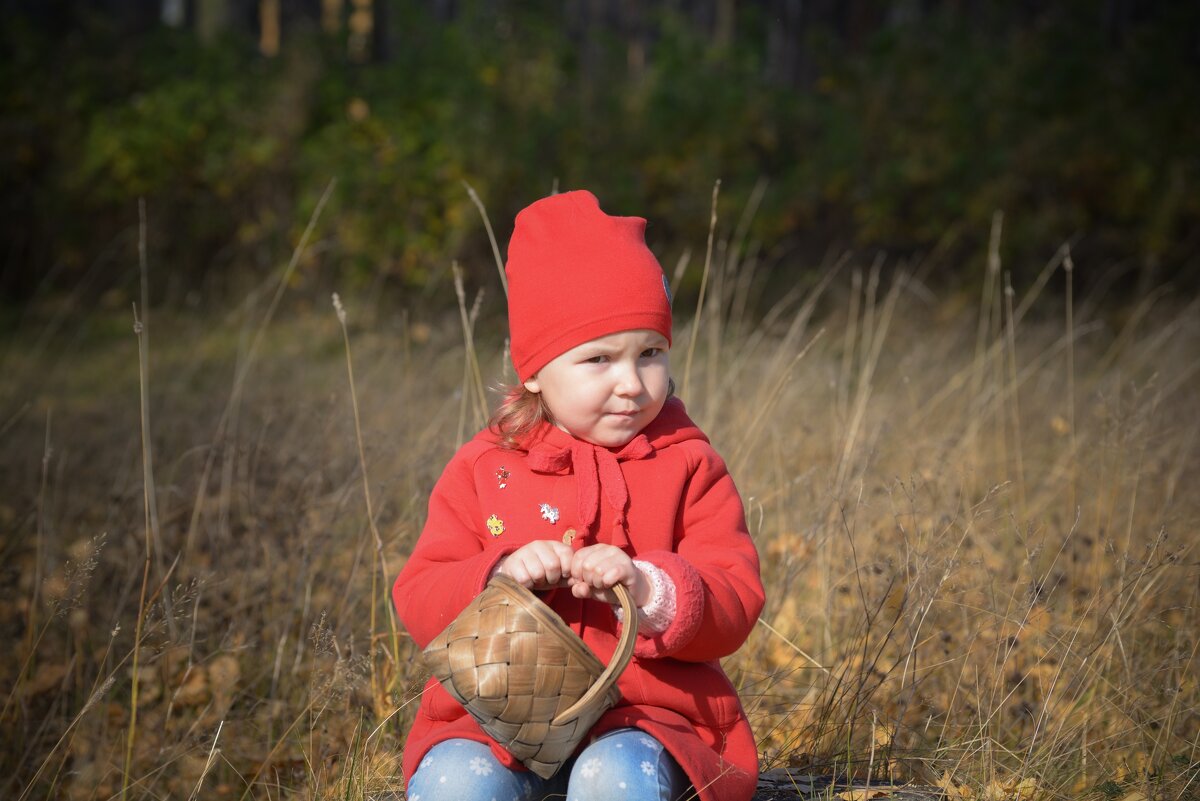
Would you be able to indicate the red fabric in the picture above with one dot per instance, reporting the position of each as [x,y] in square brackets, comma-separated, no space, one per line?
[596,469]
[576,273]
[683,514]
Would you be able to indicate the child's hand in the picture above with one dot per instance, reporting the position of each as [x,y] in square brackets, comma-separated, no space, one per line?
[596,568]
[538,565]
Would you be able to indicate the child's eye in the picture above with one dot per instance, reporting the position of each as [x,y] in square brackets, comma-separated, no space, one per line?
[650,353]
[597,360]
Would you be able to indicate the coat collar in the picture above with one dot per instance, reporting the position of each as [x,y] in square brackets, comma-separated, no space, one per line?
[598,469]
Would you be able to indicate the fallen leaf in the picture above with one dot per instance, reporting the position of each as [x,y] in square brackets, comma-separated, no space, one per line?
[1025,790]
[862,794]
[49,675]
[223,674]
[118,715]
[953,789]
[149,685]
[994,791]
[194,689]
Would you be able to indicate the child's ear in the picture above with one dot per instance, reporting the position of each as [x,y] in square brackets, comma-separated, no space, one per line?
[532,385]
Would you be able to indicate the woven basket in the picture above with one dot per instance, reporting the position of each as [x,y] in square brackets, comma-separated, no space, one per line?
[528,680]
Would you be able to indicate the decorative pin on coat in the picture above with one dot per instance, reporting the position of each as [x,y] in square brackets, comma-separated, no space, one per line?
[495,525]
[549,513]
[502,477]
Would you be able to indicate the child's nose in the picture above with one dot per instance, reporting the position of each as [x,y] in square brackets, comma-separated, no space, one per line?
[629,382]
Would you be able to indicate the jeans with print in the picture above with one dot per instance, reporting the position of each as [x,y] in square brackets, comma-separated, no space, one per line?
[621,764]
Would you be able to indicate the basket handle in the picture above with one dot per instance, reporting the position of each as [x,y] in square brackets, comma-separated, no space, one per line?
[616,665]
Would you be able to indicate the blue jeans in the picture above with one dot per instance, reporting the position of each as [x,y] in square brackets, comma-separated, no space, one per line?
[621,764]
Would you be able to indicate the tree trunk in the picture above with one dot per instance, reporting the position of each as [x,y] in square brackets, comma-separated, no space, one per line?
[723,30]
[331,15]
[381,42]
[444,10]
[785,43]
[362,25]
[212,17]
[592,55]
[173,13]
[633,28]
[268,27]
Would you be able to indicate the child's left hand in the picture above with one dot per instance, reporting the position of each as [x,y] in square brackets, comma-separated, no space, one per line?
[596,568]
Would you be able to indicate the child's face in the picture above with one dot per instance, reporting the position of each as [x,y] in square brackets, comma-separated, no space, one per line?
[607,390]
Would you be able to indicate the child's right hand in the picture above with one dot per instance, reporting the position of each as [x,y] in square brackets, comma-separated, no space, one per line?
[538,565]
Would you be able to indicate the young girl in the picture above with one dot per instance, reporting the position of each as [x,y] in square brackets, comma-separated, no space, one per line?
[591,474]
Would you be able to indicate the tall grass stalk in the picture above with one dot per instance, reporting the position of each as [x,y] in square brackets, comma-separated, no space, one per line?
[996,410]
[243,371]
[487,224]
[681,265]
[32,636]
[144,365]
[741,264]
[1014,392]
[147,489]
[870,299]
[474,397]
[96,695]
[743,364]
[383,570]
[149,493]
[849,342]
[699,316]
[1069,272]
[991,277]
[208,763]
[875,335]
[296,721]
[763,410]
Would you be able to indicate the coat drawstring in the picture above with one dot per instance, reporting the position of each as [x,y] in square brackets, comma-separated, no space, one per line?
[597,470]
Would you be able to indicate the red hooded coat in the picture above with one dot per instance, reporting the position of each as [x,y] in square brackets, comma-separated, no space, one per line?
[666,498]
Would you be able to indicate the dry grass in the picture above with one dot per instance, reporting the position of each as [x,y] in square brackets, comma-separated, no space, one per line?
[976,521]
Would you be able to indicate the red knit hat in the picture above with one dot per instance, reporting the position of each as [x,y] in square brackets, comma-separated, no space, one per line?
[576,273]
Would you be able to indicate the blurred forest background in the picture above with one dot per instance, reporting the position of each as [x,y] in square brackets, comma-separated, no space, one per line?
[899,127]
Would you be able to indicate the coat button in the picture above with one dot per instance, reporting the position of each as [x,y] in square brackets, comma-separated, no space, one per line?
[569,536]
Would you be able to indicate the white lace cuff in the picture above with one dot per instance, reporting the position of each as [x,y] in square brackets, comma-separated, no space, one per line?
[656,616]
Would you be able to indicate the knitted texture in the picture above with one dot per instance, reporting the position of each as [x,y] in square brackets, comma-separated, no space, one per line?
[575,274]
[655,615]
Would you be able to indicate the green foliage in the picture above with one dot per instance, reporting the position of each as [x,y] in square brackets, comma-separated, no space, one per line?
[914,135]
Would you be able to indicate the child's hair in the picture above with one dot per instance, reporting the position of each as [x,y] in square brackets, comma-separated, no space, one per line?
[521,412]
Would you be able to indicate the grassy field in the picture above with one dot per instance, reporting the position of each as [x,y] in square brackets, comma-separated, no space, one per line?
[977,516]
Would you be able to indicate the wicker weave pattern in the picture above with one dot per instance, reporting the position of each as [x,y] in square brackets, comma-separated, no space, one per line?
[524,675]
